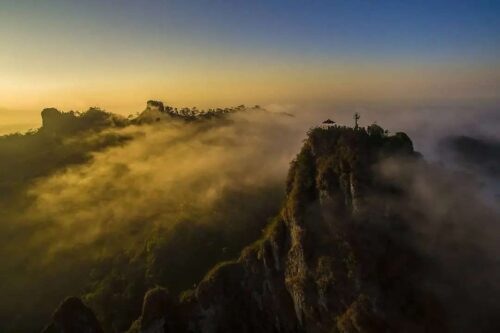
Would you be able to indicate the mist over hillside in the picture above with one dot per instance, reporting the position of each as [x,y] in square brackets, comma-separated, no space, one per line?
[106,208]
[92,193]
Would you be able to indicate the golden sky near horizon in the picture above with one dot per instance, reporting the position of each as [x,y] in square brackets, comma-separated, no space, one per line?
[116,55]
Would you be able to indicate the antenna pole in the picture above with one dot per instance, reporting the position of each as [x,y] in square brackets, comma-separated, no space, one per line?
[356,118]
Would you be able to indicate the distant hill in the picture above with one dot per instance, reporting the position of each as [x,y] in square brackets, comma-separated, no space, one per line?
[39,152]
[479,153]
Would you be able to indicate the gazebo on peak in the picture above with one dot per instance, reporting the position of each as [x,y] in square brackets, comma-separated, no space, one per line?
[327,123]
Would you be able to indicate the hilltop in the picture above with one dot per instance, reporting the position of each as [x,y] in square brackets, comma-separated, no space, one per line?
[339,256]
[332,260]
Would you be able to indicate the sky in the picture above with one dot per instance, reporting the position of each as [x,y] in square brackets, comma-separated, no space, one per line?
[118,54]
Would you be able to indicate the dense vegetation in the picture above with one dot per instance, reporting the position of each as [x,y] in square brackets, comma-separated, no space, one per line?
[64,139]
[173,244]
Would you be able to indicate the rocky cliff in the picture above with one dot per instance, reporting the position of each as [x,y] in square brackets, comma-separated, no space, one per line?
[338,257]
[334,260]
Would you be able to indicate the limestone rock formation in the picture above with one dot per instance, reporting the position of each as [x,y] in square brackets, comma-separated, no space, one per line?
[332,261]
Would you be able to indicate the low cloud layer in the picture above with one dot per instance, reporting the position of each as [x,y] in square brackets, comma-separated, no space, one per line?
[167,171]
[458,229]
[224,174]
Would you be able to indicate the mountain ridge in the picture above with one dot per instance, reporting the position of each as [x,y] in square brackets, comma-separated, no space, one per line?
[322,265]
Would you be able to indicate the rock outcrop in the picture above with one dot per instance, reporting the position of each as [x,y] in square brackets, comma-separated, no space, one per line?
[155,105]
[73,316]
[332,261]
[155,111]
[338,258]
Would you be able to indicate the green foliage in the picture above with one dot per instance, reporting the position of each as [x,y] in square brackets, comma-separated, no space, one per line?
[343,154]
[192,114]
[173,250]
[114,292]
[270,233]
[58,144]
[301,184]
[69,139]
[179,257]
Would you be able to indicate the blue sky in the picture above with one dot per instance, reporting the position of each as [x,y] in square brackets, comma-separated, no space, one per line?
[90,50]
[426,29]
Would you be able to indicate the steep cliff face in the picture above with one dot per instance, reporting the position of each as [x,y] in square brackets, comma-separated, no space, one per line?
[334,260]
